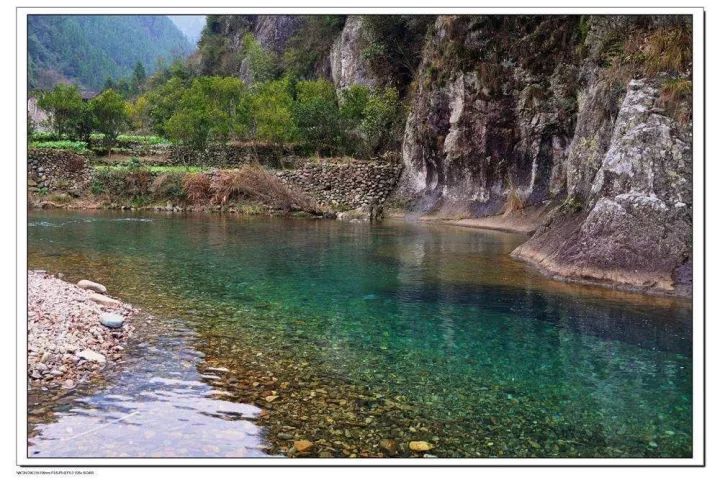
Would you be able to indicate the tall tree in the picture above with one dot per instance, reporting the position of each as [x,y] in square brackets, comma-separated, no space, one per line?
[138,78]
[66,108]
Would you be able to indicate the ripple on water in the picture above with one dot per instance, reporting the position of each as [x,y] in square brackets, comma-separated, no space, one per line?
[153,411]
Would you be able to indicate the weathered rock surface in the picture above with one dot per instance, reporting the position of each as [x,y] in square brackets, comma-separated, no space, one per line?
[638,228]
[347,64]
[482,125]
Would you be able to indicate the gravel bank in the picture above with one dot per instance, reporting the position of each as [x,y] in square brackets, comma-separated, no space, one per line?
[67,343]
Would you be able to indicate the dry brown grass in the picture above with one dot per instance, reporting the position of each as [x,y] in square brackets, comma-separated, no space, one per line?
[513,203]
[676,98]
[137,182]
[668,49]
[197,187]
[648,53]
[253,182]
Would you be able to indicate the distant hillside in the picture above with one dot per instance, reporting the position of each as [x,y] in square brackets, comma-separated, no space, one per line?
[88,49]
[191,25]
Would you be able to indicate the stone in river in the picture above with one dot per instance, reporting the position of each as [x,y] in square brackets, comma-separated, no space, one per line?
[103,300]
[92,356]
[302,445]
[68,384]
[95,287]
[112,320]
[420,446]
[388,446]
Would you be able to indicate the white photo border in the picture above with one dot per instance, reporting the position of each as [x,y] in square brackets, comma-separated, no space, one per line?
[698,300]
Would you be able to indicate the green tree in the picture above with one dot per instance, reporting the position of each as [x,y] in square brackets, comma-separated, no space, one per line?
[138,78]
[393,45]
[272,111]
[353,101]
[161,103]
[213,109]
[262,64]
[317,116]
[65,107]
[381,121]
[109,115]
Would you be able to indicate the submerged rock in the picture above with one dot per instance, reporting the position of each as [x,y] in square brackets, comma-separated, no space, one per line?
[389,447]
[302,446]
[420,446]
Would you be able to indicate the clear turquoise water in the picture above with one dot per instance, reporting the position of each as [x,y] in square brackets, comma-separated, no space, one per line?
[489,358]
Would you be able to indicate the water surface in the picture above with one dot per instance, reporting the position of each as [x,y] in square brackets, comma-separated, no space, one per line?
[351,334]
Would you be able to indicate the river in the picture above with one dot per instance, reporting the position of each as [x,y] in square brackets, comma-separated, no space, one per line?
[259,331]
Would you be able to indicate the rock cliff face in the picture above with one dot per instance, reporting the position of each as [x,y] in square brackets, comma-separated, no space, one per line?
[637,226]
[272,33]
[348,66]
[563,111]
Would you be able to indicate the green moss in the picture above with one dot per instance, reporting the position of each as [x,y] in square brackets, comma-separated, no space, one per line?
[572,204]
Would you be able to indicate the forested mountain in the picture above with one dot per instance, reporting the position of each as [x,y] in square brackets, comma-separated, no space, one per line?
[89,49]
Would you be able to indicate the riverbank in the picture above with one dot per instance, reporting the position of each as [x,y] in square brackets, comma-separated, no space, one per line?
[525,221]
[73,333]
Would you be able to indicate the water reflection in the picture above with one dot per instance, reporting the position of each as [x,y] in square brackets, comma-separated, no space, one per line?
[158,406]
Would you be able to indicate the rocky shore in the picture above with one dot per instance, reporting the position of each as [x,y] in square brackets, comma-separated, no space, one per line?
[74,331]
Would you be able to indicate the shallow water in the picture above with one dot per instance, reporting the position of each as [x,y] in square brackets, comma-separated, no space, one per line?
[358,333]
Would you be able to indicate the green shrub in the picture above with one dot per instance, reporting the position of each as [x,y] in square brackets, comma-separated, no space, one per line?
[353,101]
[122,182]
[263,64]
[143,139]
[38,136]
[310,46]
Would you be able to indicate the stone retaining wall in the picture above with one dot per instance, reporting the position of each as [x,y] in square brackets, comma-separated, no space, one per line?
[60,170]
[345,185]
